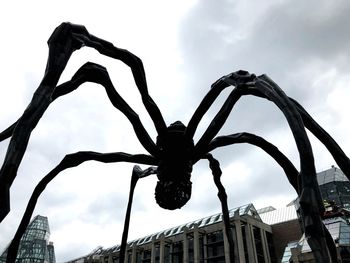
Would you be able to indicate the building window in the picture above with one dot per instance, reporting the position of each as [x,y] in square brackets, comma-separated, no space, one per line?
[190,250]
[244,236]
[167,253]
[271,247]
[258,244]
[157,253]
[177,254]
[201,249]
[147,256]
[138,256]
[215,247]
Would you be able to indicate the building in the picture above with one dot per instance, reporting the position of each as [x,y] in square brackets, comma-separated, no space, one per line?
[35,246]
[335,191]
[264,235]
[284,224]
[202,240]
[335,187]
[339,228]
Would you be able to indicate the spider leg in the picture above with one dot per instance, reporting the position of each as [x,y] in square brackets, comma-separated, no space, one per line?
[135,63]
[215,168]
[332,146]
[89,72]
[62,43]
[69,161]
[289,169]
[235,79]
[137,173]
[7,133]
[218,121]
[310,198]
[244,137]
[242,81]
[78,36]
[309,195]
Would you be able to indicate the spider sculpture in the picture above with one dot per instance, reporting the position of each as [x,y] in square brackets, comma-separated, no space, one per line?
[174,153]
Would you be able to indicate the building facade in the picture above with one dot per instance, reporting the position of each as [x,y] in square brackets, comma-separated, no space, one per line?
[35,246]
[199,241]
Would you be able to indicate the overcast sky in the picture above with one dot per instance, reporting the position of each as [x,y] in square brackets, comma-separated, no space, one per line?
[185,47]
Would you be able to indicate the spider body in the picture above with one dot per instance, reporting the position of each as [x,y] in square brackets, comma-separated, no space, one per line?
[174,153]
[173,189]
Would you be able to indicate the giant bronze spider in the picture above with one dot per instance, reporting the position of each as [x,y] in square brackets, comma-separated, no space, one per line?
[174,153]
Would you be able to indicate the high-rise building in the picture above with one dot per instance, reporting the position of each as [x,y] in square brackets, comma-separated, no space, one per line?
[35,246]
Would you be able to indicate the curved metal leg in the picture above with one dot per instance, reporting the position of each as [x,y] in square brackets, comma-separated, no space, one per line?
[289,169]
[218,121]
[69,161]
[21,130]
[215,168]
[135,63]
[244,137]
[7,133]
[310,198]
[62,43]
[332,146]
[137,173]
[91,72]
[233,79]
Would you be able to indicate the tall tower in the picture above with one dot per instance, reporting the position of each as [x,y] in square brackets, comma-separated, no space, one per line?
[35,246]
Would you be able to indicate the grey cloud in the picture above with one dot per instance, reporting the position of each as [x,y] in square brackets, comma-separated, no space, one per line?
[281,40]
[316,29]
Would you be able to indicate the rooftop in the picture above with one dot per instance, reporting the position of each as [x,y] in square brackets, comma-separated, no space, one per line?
[272,216]
[333,174]
[248,209]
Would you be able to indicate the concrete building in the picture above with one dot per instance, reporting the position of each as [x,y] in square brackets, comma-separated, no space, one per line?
[199,241]
[284,224]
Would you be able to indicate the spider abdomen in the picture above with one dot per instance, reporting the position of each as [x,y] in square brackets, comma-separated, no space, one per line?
[174,187]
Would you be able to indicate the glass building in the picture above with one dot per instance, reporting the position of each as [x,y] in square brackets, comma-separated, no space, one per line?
[334,187]
[35,246]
